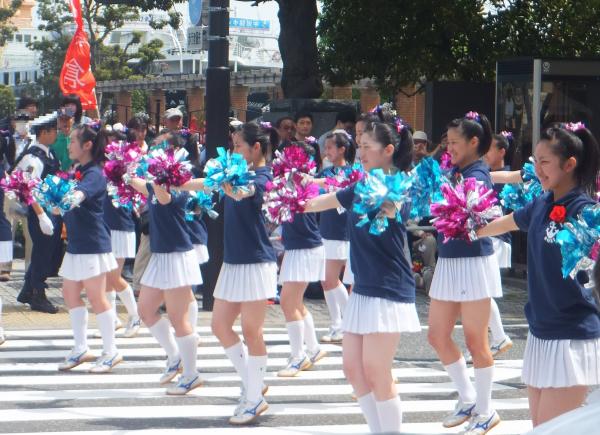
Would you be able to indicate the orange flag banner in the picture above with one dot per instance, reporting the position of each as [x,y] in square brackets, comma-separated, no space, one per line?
[76,76]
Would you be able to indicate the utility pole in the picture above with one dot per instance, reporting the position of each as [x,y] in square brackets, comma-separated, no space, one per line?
[217,129]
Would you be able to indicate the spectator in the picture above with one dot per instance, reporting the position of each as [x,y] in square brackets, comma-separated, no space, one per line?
[304,126]
[421,144]
[285,128]
[437,152]
[344,120]
[29,106]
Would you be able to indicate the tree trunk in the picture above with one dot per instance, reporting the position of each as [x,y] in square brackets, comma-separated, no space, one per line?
[298,46]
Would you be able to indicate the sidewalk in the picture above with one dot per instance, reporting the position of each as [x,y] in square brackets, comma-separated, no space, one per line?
[19,316]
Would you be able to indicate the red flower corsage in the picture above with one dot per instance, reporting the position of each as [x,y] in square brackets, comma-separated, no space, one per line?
[77,175]
[558,214]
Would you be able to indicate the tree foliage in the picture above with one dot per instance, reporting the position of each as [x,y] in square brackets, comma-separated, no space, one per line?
[7,101]
[6,13]
[109,62]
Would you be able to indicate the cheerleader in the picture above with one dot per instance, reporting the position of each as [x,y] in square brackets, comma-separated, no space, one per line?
[466,277]
[45,230]
[382,303]
[248,277]
[303,262]
[340,152]
[495,158]
[6,248]
[122,234]
[89,256]
[168,278]
[563,345]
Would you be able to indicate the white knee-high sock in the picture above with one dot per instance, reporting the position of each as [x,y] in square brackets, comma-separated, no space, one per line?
[458,373]
[257,366]
[106,325]
[368,407]
[128,299]
[390,415]
[193,313]
[161,331]
[334,307]
[79,322]
[310,335]
[483,386]
[238,355]
[188,349]
[341,293]
[495,323]
[296,334]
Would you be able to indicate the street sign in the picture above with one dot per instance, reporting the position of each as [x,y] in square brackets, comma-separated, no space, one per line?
[196,37]
[249,24]
[195,7]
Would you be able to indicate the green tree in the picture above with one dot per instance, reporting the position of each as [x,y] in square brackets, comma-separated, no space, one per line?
[7,101]
[6,28]
[298,47]
[109,62]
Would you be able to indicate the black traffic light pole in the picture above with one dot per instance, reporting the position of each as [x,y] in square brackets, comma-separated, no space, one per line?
[217,129]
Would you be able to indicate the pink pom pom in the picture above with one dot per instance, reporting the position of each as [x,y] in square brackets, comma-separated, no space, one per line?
[467,206]
[166,170]
[123,158]
[341,180]
[446,161]
[287,195]
[20,185]
[293,158]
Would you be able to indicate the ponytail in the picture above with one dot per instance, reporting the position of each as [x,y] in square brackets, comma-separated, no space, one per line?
[575,140]
[96,134]
[476,125]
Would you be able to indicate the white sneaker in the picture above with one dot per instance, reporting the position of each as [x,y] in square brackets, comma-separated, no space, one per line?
[74,359]
[106,362]
[242,400]
[171,371]
[294,366]
[501,346]
[249,411]
[314,357]
[185,385]
[133,327]
[481,424]
[334,336]
[462,412]
[468,357]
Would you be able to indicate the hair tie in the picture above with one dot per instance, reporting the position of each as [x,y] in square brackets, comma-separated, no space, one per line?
[474,116]
[574,126]
[95,125]
[507,135]
[266,125]
[399,125]
[310,139]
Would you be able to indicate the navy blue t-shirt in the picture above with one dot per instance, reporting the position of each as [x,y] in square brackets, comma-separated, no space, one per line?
[378,262]
[498,188]
[246,237]
[197,231]
[117,218]
[168,228]
[558,308]
[5,228]
[332,223]
[302,233]
[462,248]
[87,232]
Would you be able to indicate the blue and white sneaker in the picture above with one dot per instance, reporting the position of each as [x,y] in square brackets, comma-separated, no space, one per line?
[171,371]
[481,424]
[462,412]
[106,362]
[500,347]
[316,356]
[184,385]
[294,366]
[74,359]
[249,411]
[133,327]
[242,400]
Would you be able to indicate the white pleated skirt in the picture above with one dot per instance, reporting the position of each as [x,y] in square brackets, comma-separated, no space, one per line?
[166,271]
[348,277]
[246,282]
[336,249]
[123,243]
[503,253]
[6,251]
[78,267]
[303,265]
[370,315]
[202,253]
[561,363]
[466,279]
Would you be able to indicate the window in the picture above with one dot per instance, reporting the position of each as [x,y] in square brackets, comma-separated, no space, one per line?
[17,78]
[6,79]
[27,38]
[19,37]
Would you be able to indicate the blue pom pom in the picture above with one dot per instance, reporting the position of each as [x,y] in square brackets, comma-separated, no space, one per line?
[54,192]
[426,188]
[202,202]
[230,168]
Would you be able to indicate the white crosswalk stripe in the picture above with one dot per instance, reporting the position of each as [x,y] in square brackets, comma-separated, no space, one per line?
[35,397]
